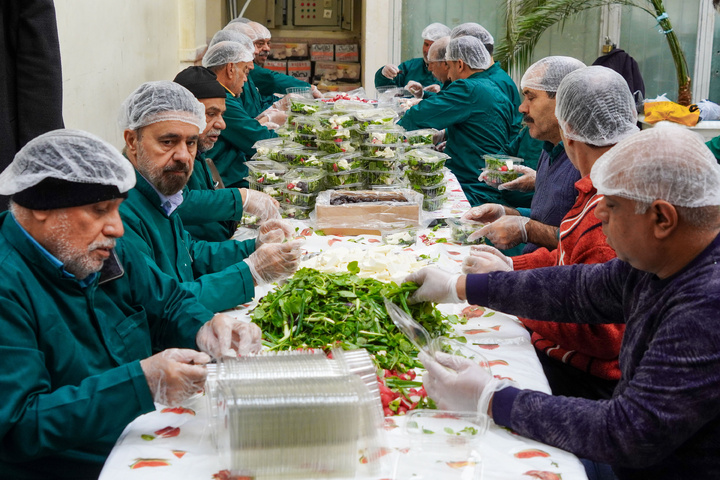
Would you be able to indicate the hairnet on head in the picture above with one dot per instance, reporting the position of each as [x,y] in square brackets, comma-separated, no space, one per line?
[261,31]
[593,107]
[434,31]
[668,163]
[226,52]
[161,101]
[243,28]
[474,30]
[547,73]
[438,50]
[239,20]
[470,50]
[232,35]
[70,156]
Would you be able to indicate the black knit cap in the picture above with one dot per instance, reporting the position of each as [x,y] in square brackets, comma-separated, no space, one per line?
[52,193]
[201,82]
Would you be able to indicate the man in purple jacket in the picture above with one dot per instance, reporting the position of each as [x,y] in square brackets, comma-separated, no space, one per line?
[661,213]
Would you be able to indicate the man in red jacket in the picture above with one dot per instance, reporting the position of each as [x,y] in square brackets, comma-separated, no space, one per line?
[594,111]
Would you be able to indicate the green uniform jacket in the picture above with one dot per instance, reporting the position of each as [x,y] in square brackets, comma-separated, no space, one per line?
[478,119]
[213,271]
[209,214]
[714,146]
[71,377]
[251,99]
[269,82]
[236,142]
[508,87]
[413,69]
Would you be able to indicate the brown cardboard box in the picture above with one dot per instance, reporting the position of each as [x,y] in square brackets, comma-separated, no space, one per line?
[276,66]
[284,51]
[322,52]
[337,87]
[299,69]
[347,52]
[334,71]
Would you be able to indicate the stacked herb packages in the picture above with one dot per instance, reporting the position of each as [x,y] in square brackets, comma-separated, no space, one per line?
[426,174]
[301,188]
[266,176]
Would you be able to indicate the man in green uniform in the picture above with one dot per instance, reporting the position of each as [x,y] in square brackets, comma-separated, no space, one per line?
[80,319]
[437,66]
[211,213]
[475,112]
[415,69]
[161,123]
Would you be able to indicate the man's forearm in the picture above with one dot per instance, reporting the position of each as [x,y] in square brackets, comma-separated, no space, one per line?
[542,235]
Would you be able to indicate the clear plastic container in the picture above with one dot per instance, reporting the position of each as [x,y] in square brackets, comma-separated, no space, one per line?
[351,187]
[377,116]
[385,134]
[305,180]
[496,162]
[293,211]
[331,146]
[423,179]
[384,164]
[266,172]
[420,138]
[433,204]
[383,151]
[332,119]
[275,190]
[342,162]
[425,160]
[432,191]
[402,236]
[343,178]
[306,106]
[383,177]
[351,106]
[305,125]
[299,199]
[333,133]
[299,156]
[304,92]
[307,141]
[271,147]
[461,230]
[500,169]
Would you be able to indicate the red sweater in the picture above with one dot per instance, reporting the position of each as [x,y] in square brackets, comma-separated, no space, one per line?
[591,348]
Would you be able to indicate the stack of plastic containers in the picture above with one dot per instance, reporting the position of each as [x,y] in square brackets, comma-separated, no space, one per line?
[383,150]
[426,174]
[267,176]
[302,186]
[297,414]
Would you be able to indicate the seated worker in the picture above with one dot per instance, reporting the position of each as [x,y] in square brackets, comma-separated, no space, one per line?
[554,183]
[594,113]
[82,322]
[476,114]
[415,69]
[230,61]
[210,213]
[661,214]
[161,122]
[267,82]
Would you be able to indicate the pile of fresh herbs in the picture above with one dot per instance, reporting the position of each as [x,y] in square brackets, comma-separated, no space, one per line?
[322,310]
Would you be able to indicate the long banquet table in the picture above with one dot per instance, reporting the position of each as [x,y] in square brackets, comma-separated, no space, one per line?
[186,449]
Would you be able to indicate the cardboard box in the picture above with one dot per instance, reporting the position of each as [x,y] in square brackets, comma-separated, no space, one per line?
[368,218]
[347,52]
[334,71]
[322,52]
[276,66]
[284,51]
[338,87]
[299,69]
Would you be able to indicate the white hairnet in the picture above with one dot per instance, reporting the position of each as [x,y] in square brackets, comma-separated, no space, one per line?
[262,32]
[226,52]
[474,30]
[662,163]
[547,73]
[70,155]
[232,35]
[244,28]
[161,101]
[470,50]
[239,20]
[438,50]
[434,31]
[593,107]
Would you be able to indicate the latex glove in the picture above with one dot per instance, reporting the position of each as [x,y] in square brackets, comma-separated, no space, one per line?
[274,261]
[436,285]
[272,115]
[439,137]
[440,147]
[407,104]
[224,336]
[415,88]
[485,259]
[315,92]
[486,213]
[457,387]
[283,103]
[524,183]
[273,231]
[504,233]
[260,204]
[390,71]
[435,88]
[174,375]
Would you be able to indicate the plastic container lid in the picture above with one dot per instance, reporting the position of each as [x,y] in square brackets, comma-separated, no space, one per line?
[497,161]
[266,171]
[432,204]
[421,137]
[306,106]
[305,180]
[422,179]
[349,177]
[337,162]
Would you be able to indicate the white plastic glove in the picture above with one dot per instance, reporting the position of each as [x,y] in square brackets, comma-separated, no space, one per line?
[457,389]
[485,213]
[260,204]
[274,261]
[315,92]
[407,104]
[390,71]
[435,88]
[272,115]
[485,259]
[174,375]
[439,137]
[524,183]
[273,231]
[436,285]
[415,88]
[224,336]
[440,147]
[504,233]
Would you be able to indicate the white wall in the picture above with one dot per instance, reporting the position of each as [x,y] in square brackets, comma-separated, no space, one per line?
[110,47]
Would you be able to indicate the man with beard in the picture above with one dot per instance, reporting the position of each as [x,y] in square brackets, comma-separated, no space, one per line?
[80,319]
[554,183]
[161,123]
[211,213]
